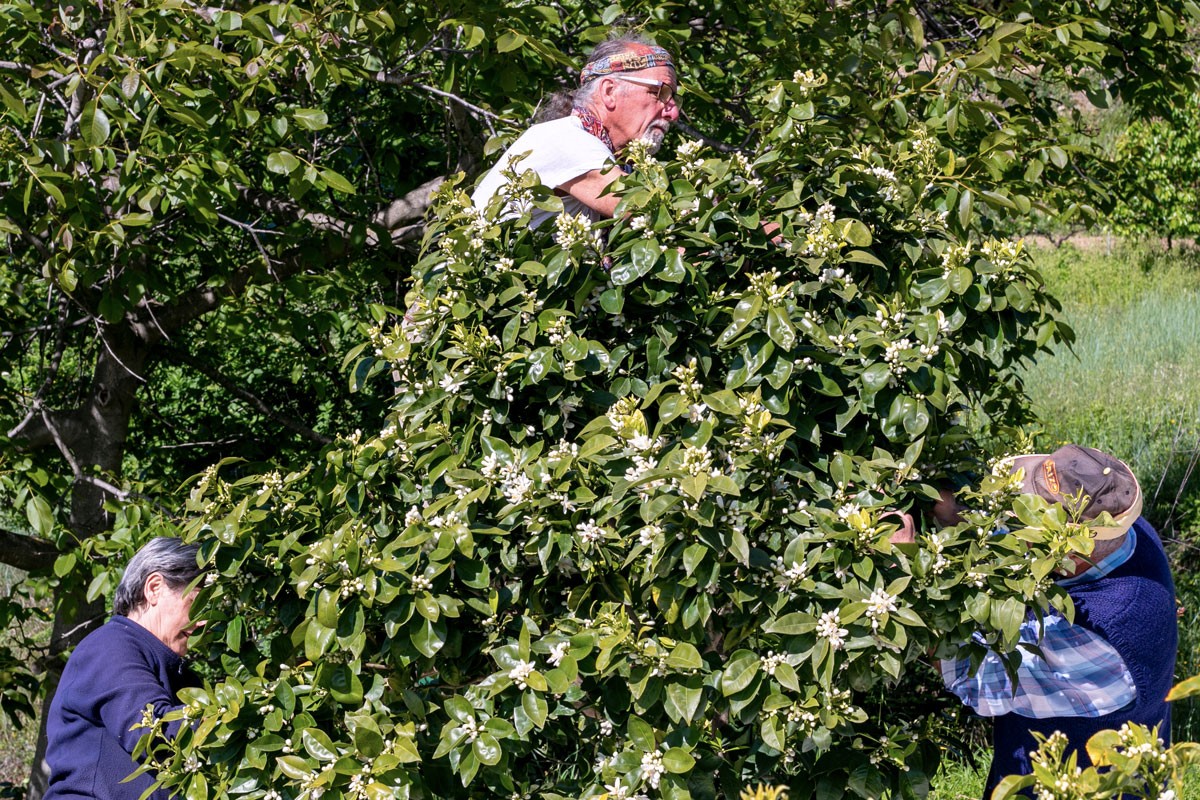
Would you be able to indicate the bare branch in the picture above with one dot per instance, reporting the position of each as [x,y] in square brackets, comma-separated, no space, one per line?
[36,243]
[16,66]
[75,323]
[317,220]
[396,78]
[411,206]
[58,440]
[213,443]
[488,116]
[254,234]
[720,147]
[60,346]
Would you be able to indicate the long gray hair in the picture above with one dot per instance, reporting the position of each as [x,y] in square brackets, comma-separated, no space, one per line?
[171,558]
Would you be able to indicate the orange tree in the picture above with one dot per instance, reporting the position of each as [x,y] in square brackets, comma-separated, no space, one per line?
[703,591]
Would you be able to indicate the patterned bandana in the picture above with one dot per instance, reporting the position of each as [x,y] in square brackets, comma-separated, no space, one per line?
[635,57]
[592,124]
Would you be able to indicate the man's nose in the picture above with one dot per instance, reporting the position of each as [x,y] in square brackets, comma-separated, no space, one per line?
[670,111]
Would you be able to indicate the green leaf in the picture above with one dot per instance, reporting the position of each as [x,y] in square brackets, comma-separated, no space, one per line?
[429,637]
[786,675]
[345,686]
[1186,688]
[64,564]
[682,702]
[487,749]
[780,329]
[327,608]
[856,233]
[574,348]
[685,656]
[40,517]
[746,311]
[541,362]
[792,624]
[535,707]
[743,666]
[282,162]
[197,788]
[317,639]
[311,119]
[93,125]
[337,182]
[509,40]
[641,734]
[965,203]
[678,761]
[642,257]
[459,708]
[318,744]
[234,632]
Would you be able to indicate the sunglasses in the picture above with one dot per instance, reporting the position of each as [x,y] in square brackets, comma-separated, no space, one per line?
[660,89]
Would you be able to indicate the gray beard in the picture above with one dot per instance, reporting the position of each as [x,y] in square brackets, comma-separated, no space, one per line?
[653,137]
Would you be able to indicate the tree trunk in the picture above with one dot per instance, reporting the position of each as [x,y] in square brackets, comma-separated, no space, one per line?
[92,438]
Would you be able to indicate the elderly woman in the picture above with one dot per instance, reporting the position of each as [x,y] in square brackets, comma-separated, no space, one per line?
[133,661]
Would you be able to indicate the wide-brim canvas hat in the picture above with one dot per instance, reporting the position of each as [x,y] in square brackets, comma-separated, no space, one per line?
[1108,483]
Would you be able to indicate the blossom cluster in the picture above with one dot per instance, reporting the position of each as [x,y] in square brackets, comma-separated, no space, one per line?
[820,240]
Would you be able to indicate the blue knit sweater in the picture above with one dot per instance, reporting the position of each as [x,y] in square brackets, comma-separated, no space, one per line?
[1133,608]
[110,678]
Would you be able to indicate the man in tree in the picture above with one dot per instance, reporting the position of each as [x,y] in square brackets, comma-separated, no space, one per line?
[1115,663]
[626,93]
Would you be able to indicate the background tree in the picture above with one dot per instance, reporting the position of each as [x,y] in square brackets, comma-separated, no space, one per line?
[172,172]
[1158,176]
[183,238]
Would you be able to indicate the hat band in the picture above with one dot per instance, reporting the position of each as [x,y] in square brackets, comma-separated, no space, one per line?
[1121,522]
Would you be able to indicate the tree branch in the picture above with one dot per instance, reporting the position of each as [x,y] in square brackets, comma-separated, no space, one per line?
[26,552]
[488,116]
[408,208]
[246,396]
[317,220]
[16,66]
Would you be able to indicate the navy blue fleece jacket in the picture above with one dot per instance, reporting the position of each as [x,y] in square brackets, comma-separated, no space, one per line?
[110,678]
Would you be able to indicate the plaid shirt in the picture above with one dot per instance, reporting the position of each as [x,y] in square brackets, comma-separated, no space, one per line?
[1079,674]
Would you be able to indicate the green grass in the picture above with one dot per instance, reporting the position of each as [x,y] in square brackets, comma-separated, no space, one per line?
[1131,383]
[958,781]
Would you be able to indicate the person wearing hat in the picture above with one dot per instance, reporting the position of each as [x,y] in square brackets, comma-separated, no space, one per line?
[626,93]
[1116,662]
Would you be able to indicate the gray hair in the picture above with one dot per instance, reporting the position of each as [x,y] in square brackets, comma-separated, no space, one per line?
[555,106]
[171,558]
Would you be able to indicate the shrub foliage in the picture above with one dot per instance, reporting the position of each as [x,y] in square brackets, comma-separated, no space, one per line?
[627,528]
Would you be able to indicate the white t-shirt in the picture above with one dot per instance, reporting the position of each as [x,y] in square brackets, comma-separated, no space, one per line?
[558,151]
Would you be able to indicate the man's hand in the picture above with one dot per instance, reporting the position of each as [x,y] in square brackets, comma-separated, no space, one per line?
[947,510]
[907,532]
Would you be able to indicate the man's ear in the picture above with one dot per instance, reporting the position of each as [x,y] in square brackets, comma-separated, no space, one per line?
[153,588]
[608,92]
